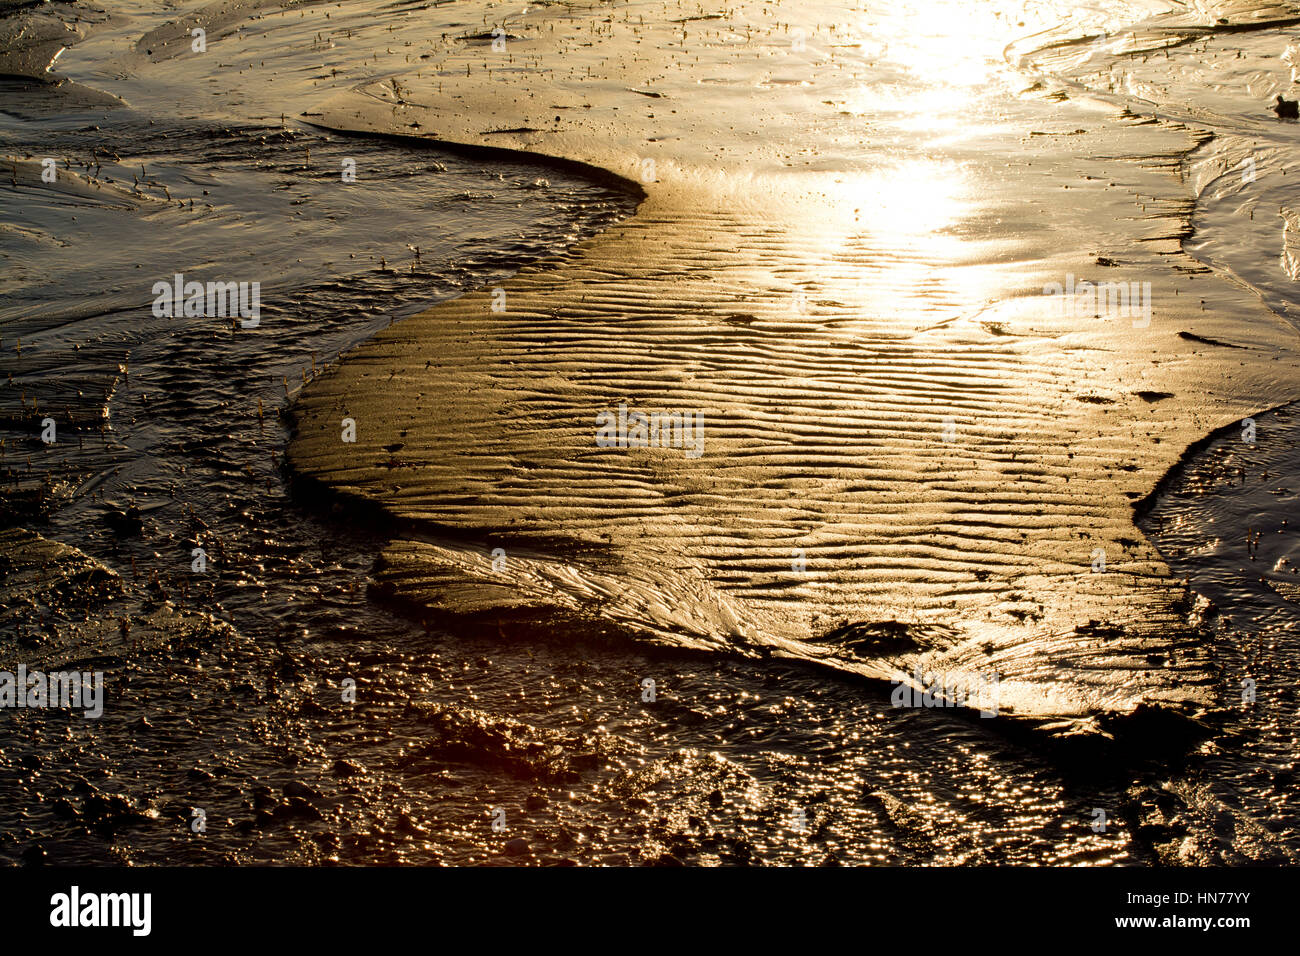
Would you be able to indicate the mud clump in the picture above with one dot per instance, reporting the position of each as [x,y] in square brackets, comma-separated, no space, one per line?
[44,577]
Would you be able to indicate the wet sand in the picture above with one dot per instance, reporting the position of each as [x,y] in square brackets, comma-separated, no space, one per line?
[837,258]
[828,300]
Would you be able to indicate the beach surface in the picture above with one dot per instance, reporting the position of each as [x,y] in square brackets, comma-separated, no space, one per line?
[828,244]
[911,459]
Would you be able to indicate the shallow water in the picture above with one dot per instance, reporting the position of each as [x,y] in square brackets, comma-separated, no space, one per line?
[505,690]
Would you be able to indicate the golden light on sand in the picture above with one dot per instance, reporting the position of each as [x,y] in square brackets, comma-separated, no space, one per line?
[901,231]
[936,59]
[955,44]
[911,200]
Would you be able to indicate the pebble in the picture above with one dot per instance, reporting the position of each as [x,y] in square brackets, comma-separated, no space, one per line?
[296,788]
[517,847]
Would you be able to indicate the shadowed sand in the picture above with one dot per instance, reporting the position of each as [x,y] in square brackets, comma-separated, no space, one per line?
[910,459]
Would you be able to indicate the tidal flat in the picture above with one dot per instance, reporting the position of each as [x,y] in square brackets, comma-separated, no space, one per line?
[366,584]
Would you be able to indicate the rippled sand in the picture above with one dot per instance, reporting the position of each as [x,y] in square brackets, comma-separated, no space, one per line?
[837,257]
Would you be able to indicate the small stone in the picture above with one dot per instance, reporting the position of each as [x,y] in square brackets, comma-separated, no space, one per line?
[296,788]
[408,826]
[517,847]
[125,524]
[107,807]
[35,855]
